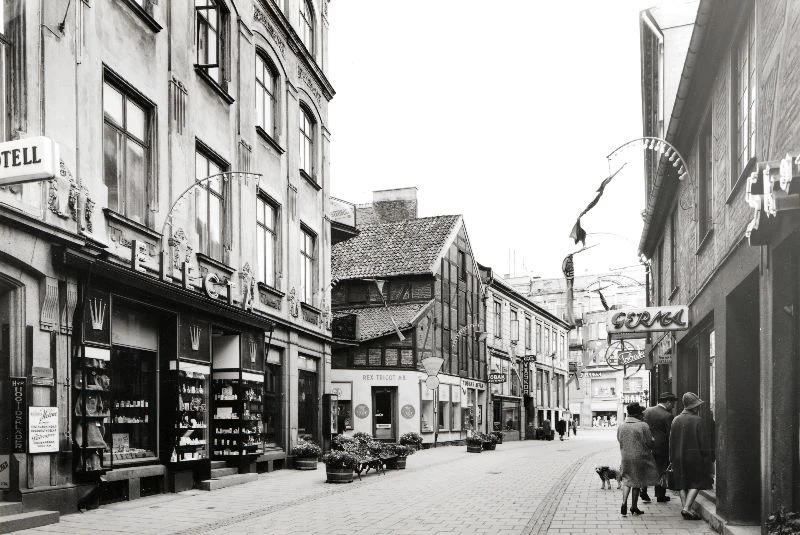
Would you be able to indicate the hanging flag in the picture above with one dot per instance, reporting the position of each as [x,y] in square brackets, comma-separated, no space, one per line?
[602,298]
[578,234]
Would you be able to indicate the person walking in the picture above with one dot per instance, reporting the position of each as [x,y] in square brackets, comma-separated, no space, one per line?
[574,428]
[659,418]
[561,428]
[638,468]
[691,454]
[547,429]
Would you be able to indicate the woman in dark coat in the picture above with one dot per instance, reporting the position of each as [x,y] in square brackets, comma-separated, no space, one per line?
[691,454]
[638,467]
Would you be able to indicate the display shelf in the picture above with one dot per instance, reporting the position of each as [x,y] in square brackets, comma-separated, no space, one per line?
[237,418]
[91,404]
[189,434]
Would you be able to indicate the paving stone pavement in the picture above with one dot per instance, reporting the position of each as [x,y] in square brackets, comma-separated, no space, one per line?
[522,487]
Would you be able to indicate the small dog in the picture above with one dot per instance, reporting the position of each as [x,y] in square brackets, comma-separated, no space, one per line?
[607,474]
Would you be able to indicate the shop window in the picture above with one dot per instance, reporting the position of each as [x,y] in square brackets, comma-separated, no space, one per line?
[210,203]
[307,25]
[510,415]
[455,410]
[266,91]
[133,416]
[126,148]
[267,237]
[307,265]
[605,388]
[444,415]
[344,408]
[273,399]
[211,21]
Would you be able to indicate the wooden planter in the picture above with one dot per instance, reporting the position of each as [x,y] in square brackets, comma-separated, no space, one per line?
[305,463]
[339,475]
[400,463]
[474,449]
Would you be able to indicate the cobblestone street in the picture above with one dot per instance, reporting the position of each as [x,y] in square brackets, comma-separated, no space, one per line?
[522,487]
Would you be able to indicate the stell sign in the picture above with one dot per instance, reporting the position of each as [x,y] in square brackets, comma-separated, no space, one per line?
[28,160]
[639,322]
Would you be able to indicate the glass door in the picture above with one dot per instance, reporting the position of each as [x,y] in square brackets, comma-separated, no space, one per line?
[384,400]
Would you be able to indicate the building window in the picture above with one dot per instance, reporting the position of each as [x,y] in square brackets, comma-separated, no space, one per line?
[307,25]
[528,333]
[273,394]
[266,91]
[462,265]
[744,72]
[673,250]
[539,338]
[126,151]
[514,325]
[210,44]
[705,182]
[267,237]
[307,134]
[660,274]
[209,203]
[498,319]
[307,265]
[547,341]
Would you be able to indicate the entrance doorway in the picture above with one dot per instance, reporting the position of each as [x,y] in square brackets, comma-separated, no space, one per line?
[384,404]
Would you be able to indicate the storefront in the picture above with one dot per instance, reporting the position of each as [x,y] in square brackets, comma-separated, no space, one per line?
[473,401]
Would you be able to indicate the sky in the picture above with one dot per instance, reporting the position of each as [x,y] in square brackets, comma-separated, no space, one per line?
[502,111]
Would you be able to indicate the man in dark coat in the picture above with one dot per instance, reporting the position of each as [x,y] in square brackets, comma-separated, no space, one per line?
[659,418]
[561,428]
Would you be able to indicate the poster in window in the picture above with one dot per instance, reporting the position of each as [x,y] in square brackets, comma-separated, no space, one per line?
[391,357]
[374,356]
[406,357]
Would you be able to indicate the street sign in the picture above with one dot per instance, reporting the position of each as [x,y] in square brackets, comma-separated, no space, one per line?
[29,159]
[497,378]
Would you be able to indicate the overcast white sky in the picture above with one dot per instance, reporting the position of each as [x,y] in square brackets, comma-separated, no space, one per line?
[503,111]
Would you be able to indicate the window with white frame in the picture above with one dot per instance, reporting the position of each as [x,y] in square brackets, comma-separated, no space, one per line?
[307,265]
[307,25]
[266,91]
[307,137]
[514,325]
[528,333]
[498,319]
[210,18]
[744,85]
[267,238]
[705,182]
[126,150]
[209,203]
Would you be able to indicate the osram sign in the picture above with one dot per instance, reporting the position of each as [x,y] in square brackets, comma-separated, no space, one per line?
[637,322]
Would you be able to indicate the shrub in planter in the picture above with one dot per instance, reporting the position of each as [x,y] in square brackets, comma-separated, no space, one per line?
[783,522]
[342,443]
[411,439]
[339,466]
[306,453]
[475,443]
[498,435]
[400,452]
[362,437]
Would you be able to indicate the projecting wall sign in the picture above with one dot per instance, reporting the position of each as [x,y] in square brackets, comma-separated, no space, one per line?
[638,322]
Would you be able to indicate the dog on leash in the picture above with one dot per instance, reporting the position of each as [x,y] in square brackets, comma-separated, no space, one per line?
[607,474]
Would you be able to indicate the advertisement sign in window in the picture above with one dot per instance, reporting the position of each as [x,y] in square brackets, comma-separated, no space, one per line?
[43,429]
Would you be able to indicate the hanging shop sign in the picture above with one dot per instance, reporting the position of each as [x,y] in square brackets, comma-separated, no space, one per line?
[630,358]
[638,322]
[43,429]
[18,403]
[469,383]
[497,378]
[28,160]
[529,358]
[526,384]
[663,349]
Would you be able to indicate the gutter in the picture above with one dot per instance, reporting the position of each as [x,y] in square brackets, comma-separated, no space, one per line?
[681,97]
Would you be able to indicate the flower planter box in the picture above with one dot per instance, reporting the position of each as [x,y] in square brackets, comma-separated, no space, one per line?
[400,463]
[305,463]
[489,445]
[499,437]
[474,449]
[339,475]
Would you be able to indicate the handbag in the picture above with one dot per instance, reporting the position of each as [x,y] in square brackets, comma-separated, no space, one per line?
[667,479]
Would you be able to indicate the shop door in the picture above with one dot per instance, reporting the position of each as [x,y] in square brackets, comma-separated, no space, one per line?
[307,402]
[384,403]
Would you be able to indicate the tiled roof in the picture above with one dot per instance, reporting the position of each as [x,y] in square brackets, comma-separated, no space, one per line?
[375,321]
[387,249]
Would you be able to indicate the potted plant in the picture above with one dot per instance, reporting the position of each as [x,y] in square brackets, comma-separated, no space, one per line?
[489,441]
[783,522]
[339,466]
[305,455]
[399,453]
[499,436]
[475,443]
[343,443]
[411,439]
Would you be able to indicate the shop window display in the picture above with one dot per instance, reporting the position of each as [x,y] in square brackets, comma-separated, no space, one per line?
[191,428]
[237,429]
[133,413]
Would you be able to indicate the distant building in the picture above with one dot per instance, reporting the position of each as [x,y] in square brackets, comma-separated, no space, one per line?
[531,390]
[407,288]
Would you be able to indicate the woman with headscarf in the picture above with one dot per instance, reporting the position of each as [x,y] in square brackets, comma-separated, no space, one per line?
[638,467]
[691,454]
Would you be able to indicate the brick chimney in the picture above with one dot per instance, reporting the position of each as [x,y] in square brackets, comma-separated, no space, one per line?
[388,206]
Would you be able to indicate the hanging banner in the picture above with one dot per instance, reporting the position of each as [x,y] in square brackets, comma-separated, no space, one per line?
[18,403]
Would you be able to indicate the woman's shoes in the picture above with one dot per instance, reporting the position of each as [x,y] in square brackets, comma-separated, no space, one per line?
[624,509]
[688,515]
[636,511]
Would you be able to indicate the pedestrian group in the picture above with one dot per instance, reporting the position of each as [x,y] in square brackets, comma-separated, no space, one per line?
[663,451]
